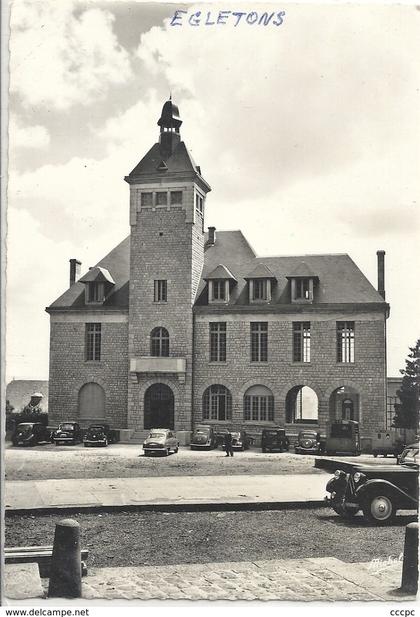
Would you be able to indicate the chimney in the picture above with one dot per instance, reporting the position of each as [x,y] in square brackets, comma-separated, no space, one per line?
[212,236]
[75,266]
[381,272]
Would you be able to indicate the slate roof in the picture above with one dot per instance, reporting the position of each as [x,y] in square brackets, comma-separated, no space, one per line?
[260,272]
[179,161]
[340,280]
[98,275]
[302,270]
[220,273]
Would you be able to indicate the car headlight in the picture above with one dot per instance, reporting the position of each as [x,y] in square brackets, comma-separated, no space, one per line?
[339,474]
[358,477]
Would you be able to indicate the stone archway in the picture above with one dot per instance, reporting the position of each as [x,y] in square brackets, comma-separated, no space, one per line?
[159,404]
[301,405]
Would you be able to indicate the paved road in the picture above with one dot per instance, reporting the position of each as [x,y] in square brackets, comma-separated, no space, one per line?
[175,491]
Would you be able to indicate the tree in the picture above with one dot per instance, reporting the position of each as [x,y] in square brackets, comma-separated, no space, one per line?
[407,412]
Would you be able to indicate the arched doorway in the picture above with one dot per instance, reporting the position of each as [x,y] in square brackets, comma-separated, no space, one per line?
[344,404]
[92,402]
[159,407]
[301,406]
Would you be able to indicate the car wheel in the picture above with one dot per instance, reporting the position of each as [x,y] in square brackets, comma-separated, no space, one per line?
[379,506]
[176,450]
[345,512]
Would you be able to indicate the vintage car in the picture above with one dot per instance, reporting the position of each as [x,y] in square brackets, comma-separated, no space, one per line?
[99,435]
[308,442]
[203,437]
[160,441]
[409,456]
[67,433]
[240,440]
[378,490]
[31,434]
[274,439]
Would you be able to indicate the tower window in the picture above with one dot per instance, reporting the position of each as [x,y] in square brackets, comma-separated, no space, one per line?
[93,341]
[176,198]
[199,203]
[161,198]
[147,199]
[161,291]
[159,342]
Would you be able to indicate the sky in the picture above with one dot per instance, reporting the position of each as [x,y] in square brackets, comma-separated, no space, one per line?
[307,131]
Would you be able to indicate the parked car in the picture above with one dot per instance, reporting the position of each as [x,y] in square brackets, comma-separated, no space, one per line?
[409,456]
[274,439]
[99,435]
[203,437]
[31,434]
[308,442]
[240,440]
[162,441]
[343,438]
[67,432]
[378,490]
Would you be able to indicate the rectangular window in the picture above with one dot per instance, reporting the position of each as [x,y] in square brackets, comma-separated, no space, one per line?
[301,341]
[96,292]
[176,198]
[302,289]
[218,342]
[93,341]
[161,198]
[259,291]
[219,290]
[161,291]
[345,341]
[147,199]
[199,203]
[259,341]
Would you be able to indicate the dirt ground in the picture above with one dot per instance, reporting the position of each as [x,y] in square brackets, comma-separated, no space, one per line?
[120,460]
[151,538]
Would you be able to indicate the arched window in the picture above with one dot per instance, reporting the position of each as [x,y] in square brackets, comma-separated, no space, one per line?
[91,402]
[217,403]
[344,404]
[159,342]
[259,404]
[302,406]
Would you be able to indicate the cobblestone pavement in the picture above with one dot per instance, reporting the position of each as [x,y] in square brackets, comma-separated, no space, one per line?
[307,579]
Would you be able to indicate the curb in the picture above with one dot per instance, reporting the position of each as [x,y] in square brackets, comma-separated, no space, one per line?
[171,507]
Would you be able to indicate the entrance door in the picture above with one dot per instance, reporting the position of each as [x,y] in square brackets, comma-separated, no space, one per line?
[159,407]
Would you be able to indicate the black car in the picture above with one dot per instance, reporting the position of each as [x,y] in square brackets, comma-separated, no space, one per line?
[378,490]
[30,434]
[99,435]
[203,437]
[67,433]
[240,440]
[308,442]
[274,439]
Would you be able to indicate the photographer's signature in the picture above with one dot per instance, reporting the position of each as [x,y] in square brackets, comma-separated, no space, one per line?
[377,565]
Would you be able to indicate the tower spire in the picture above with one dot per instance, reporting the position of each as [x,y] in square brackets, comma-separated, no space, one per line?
[169,123]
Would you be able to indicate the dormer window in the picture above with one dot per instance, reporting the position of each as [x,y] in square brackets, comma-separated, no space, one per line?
[98,284]
[302,284]
[220,281]
[95,292]
[260,282]
[219,290]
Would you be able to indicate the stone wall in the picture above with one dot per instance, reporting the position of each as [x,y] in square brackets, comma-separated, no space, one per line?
[323,374]
[69,370]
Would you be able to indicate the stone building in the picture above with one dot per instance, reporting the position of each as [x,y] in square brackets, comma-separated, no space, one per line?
[178,326]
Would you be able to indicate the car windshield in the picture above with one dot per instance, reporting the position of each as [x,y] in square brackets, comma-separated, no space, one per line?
[156,435]
[202,431]
[307,434]
[272,433]
[410,456]
[25,429]
[96,428]
[236,435]
[66,427]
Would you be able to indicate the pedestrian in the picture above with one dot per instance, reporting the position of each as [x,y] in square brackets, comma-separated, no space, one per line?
[228,444]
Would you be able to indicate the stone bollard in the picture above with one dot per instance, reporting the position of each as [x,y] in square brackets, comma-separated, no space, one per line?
[410,570]
[66,569]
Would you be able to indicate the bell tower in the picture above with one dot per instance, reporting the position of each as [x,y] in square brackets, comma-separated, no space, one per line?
[167,210]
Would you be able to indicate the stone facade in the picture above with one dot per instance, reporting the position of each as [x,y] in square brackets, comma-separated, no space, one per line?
[168,243]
